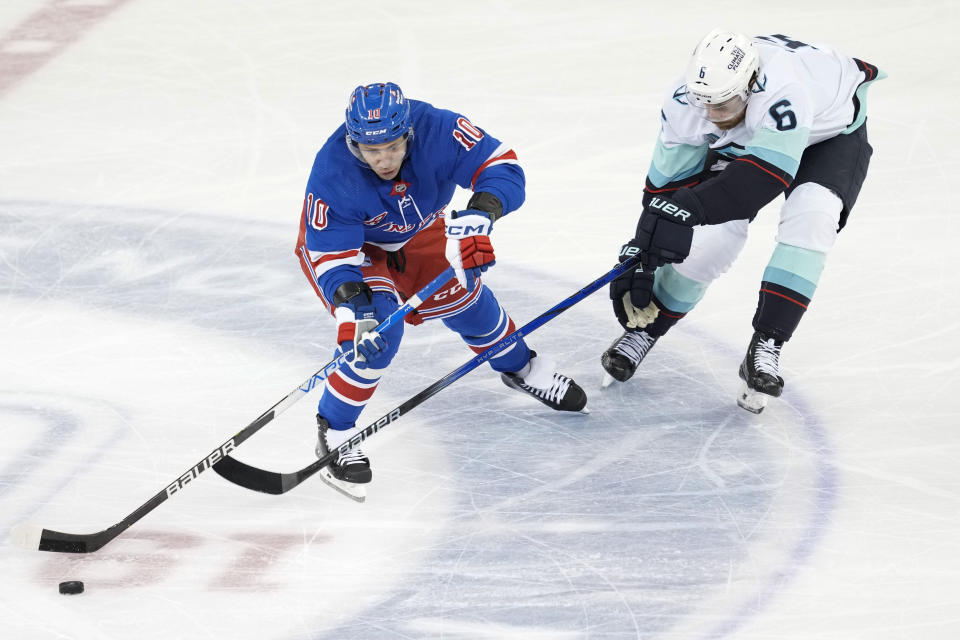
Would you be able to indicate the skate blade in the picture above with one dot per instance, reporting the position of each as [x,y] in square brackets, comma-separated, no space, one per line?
[356,492]
[752,401]
[607,380]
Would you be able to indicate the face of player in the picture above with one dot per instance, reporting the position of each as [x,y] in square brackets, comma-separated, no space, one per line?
[727,115]
[385,158]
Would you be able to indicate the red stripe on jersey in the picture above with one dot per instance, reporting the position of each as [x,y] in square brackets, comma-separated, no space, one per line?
[327,257]
[344,387]
[686,186]
[785,183]
[305,266]
[506,157]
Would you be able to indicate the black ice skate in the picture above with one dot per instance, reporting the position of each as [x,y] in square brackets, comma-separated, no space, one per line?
[626,353]
[348,472]
[540,380]
[760,371]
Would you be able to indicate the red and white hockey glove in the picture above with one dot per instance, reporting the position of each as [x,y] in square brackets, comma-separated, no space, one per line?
[356,321]
[469,250]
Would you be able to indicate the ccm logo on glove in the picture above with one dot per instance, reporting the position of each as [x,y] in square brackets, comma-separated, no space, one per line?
[464,230]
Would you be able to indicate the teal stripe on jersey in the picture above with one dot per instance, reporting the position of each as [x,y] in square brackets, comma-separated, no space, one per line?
[782,149]
[795,268]
[675,163]
[862,97]
[679,293]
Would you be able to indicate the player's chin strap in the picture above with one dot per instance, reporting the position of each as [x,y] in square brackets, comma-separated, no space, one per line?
[37,538]
[277,483]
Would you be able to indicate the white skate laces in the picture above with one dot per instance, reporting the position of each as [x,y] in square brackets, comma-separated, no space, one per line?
[540,379]
[555,392]
[766,357]
[760,373]
[635,345]
[353,456]
[349,471]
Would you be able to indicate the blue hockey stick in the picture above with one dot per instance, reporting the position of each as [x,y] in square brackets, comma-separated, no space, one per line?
[34,537]
[276,483]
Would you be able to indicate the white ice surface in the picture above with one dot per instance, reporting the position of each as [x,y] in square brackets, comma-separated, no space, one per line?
[153,155]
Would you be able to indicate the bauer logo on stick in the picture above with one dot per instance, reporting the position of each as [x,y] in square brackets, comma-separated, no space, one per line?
[201,466]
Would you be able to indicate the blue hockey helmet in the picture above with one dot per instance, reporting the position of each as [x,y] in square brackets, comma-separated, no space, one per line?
[377,113]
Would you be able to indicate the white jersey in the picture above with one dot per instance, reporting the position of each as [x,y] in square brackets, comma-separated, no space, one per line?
[805,94]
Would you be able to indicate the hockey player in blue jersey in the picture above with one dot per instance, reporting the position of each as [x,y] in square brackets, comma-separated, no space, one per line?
[751,118]
[374,231]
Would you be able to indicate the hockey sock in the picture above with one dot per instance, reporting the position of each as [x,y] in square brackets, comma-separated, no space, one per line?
[677,292]
[345,394]
[789,283]
[665,319]
[485,323]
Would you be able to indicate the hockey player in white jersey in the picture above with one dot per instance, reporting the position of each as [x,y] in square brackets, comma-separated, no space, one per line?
[750,119]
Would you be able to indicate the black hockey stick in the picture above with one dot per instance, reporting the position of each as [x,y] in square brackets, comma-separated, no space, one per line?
[277,483]
[34,537]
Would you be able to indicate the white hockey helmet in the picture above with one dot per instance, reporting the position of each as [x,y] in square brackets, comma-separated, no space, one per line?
[723,67]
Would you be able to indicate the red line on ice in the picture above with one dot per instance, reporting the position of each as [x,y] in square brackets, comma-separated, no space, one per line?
[45,34]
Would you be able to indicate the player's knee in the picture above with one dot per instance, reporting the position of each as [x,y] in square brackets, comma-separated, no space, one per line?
[481,317]
[810,218]
[715,248]
[675,291]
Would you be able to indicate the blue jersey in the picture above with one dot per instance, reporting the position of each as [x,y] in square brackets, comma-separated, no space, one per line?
[347,204]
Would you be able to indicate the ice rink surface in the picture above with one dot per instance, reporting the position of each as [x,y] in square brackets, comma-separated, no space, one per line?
[153,156]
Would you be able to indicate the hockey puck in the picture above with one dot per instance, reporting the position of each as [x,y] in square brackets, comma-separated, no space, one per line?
[71,587]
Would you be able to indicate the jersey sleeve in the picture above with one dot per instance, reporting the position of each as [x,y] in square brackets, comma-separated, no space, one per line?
[781,124]
[329,246]
[674,160]
[677,160]
[481,162]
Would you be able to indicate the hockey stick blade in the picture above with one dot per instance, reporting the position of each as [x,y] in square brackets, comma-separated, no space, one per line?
[26,536]
[276,483]
[50,540]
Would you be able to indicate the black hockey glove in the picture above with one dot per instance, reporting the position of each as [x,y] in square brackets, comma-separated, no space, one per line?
[665,229]
[631,291]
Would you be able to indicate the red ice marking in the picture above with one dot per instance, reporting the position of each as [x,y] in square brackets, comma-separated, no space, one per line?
[146,558]
[141,558]
[251,565]
[45,34]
